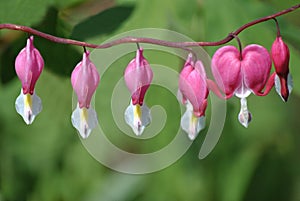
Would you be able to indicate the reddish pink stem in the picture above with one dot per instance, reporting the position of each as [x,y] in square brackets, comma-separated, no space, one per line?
[269,86]
[145,40]
[212,86]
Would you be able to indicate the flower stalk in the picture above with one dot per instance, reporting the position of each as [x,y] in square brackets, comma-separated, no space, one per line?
[128,39]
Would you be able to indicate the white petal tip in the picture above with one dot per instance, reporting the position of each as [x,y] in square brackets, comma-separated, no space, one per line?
[85,132]
[245,118]
[84,120]
[191,124]
[192,136]
[137,117]
[289,85]
[28,118]
[244,124]
[28,106]
[138,130]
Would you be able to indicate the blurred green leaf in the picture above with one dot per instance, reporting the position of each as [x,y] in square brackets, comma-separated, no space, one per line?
[67,3]
[7,59]
[107,22]
[24,12]
[46,161]
[59,58]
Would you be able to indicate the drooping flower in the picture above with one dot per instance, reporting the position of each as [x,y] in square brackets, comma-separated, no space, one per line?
[242,74]
[281,56]
[138,76]
[85,79]
[194,92]
[29,65]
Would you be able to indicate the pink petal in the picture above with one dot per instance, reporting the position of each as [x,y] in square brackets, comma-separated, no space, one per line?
[281,56]
[226,69]
[192,84]
[138,77]
[256,66]
[29,65]
[85,79]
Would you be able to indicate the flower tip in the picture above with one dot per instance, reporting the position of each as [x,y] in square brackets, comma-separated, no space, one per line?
[85,132]
[284,86]
[137,117]
[285,97]
[245,118]
[28,118]
[191,124]
[84,120]
[192,136]
[28,106]
[138,129]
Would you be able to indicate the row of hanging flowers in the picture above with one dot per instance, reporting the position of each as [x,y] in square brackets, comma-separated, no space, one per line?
[237,72]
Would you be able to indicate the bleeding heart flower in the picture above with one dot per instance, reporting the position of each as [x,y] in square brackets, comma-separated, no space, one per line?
[193,91]
[281,56]
[85,79]
[29,65]
[242,73]
[138,76]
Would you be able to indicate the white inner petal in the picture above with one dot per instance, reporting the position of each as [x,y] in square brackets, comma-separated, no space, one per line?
[179,96]
[191,124]
[290,83]
[84,120]
[243,91]
[28,106]
[137,117]
[278,84]
[244,115]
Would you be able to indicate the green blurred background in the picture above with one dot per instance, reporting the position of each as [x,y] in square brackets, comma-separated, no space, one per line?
[46,161]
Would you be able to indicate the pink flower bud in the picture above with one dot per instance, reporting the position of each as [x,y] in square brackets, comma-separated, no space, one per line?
[281,55]
[29,65]
[138,76]
[193,86]
[193,91]
[85,79]
[242,74]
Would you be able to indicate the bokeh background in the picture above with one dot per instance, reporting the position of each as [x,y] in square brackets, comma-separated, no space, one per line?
[46,161]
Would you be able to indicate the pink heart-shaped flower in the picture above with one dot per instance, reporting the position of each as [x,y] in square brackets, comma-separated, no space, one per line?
[241,74]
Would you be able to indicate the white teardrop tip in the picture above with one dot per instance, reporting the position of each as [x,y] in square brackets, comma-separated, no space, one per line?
[28,106]
[278,85]
[191,124]
[244,116]
[137,117]
[84,120]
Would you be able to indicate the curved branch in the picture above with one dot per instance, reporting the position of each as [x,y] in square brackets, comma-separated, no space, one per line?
[182,45]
